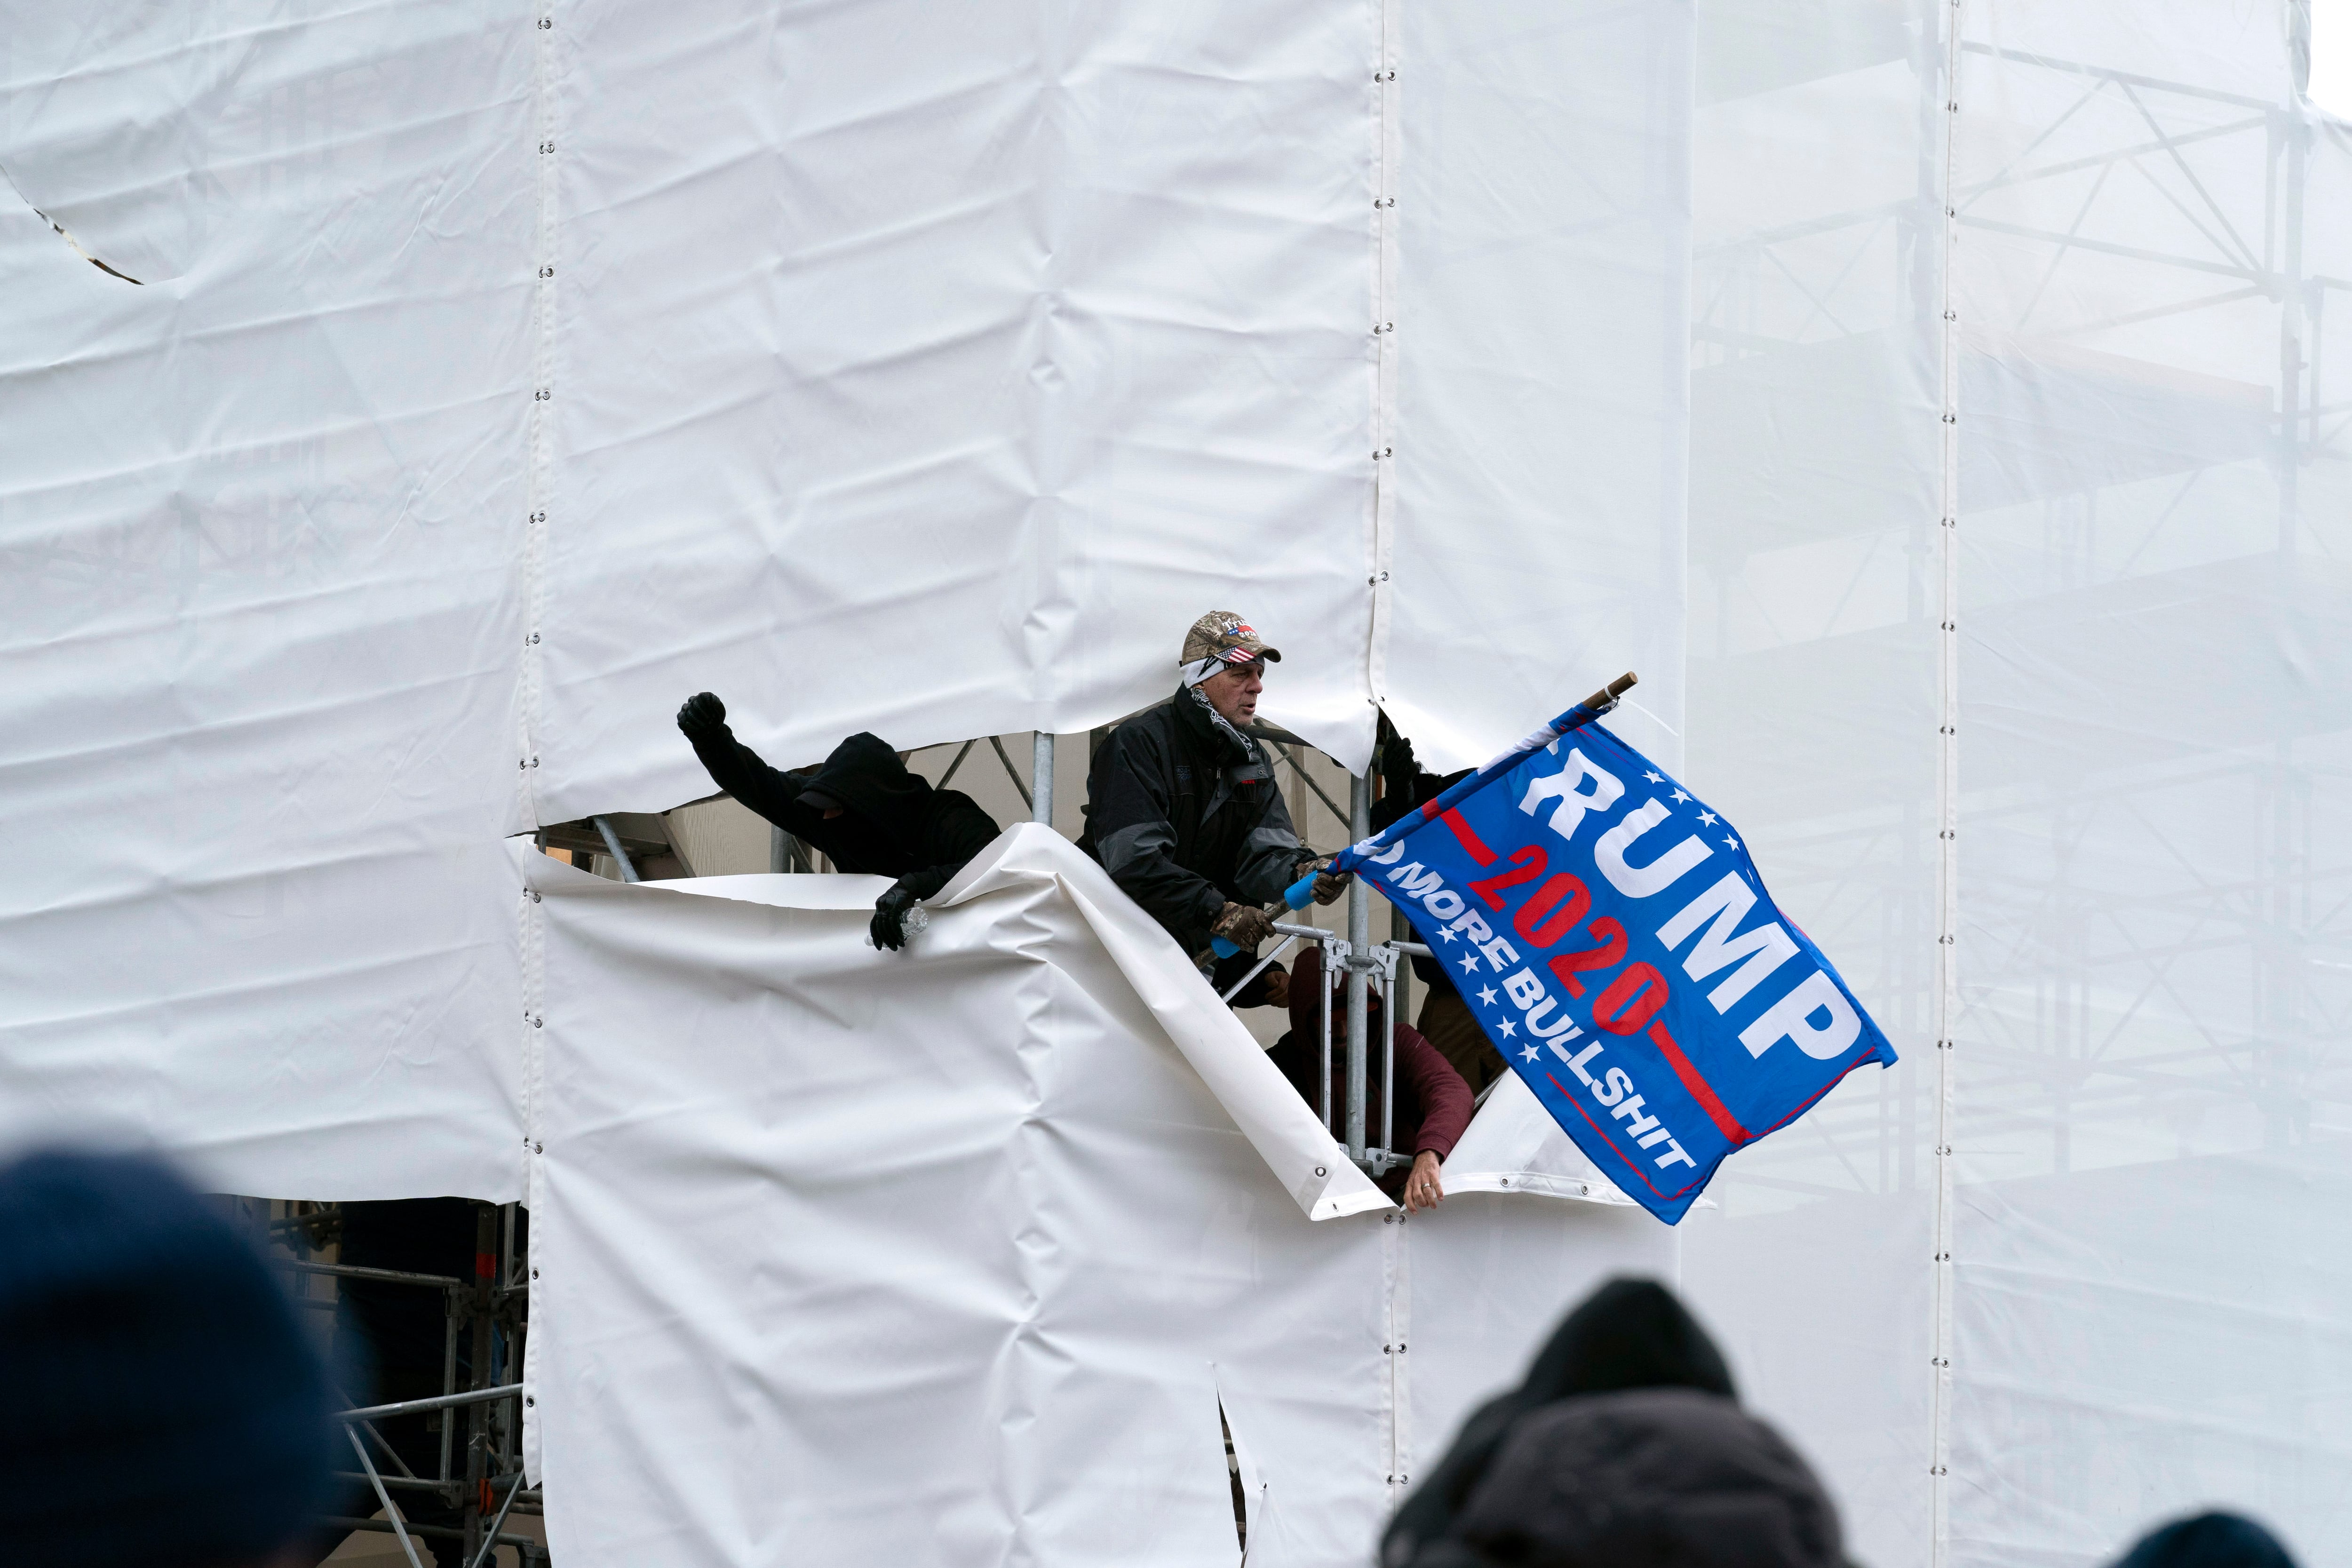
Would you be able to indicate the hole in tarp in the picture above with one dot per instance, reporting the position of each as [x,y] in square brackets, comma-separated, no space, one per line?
[1233,1476]
[85,254]
[68,238]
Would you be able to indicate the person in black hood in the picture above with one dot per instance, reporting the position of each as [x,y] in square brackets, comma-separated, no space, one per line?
[1628,1334]
[863,809]
[1182,807]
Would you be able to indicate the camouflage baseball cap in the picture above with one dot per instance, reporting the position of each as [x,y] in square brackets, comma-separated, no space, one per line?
[1222,635]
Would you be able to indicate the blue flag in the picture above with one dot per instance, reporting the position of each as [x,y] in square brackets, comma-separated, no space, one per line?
[1611,934]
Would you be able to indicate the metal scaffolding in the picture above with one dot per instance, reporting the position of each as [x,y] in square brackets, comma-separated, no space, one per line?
[490,1315]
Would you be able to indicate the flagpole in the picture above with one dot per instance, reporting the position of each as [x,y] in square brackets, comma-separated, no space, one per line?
[1347,859]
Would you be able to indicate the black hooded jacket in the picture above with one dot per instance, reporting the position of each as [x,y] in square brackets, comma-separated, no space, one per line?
[1630,1333]
[1182,811]
[893,824]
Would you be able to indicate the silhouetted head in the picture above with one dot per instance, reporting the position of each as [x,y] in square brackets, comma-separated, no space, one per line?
[164,1406]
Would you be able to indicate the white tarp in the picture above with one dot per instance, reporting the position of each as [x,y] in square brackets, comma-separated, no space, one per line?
[1541,319]
[2024,1295]
[259,618]
[929,369]
[953,1256]
[2156,713]
[1033,335]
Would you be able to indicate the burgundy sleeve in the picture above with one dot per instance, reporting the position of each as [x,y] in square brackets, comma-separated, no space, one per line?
[1446,1099]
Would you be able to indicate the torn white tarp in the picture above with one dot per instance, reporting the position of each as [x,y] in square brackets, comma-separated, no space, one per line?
[260,619]
[952,1256]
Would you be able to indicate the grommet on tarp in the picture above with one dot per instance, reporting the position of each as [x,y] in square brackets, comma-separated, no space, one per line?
[539,1148]
[1320,1171]
[527,1399]
[534,895]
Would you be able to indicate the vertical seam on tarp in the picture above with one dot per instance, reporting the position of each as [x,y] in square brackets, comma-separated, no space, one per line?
[1948,666]
[540,433]
[1399,1329]
[541,487]
[1388,141]
[531,942]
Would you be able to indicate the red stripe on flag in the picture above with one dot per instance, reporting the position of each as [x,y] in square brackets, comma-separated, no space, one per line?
[1700,1090]
[1470,842]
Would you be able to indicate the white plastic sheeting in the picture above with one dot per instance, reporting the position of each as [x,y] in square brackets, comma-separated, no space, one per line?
[2151,274]
[1540,324]
[953,1256]
[1038,333]
[260,621]
[2032,1292]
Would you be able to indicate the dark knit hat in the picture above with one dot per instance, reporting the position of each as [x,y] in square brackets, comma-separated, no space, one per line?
[1652,1478]
[2209,1540]
[164,1407]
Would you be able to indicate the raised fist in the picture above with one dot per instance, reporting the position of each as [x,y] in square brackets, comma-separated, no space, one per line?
[702,715]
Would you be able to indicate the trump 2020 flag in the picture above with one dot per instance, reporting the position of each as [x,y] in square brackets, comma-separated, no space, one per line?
[1612,937]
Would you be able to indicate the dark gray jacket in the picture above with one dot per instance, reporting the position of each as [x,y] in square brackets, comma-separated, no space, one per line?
[1182,811]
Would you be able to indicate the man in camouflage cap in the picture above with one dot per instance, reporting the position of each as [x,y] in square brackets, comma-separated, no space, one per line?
[1182,806]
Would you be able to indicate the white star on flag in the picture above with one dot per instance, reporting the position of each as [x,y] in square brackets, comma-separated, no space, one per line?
[1469,964]
[1706,818]
[1680,797]
[1528,1054]
[1487,995]
[1733,842]
[1655,777]
[1507,1029]
[1445,933]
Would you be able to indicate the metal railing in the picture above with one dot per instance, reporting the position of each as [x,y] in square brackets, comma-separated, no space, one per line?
[1346,965]
[1354,965]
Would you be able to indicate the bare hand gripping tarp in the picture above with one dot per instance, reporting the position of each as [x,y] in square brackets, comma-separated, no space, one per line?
[956,1257]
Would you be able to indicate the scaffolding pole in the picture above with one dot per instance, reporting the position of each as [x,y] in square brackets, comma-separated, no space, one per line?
[1359,941]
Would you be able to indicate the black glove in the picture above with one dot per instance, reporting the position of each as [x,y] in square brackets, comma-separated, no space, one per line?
[702,717]
[889,927]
